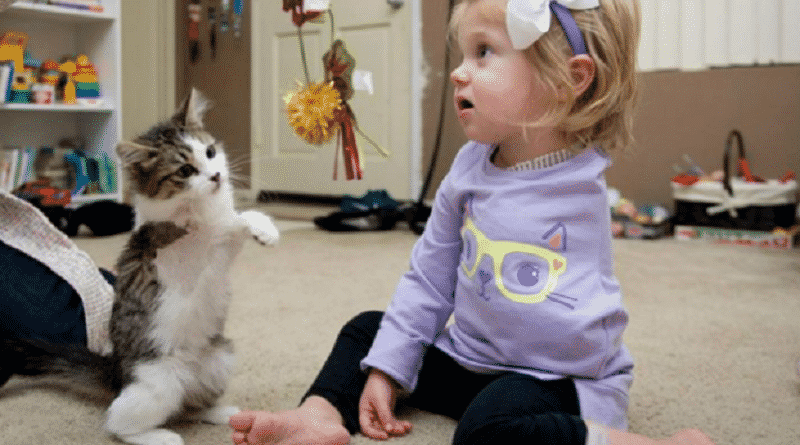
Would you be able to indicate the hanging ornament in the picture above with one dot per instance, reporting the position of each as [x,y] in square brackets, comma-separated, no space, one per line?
[319,111]
[238,12]
[212,31]
[299,16]
[312,111]
[223,19]
[194,10]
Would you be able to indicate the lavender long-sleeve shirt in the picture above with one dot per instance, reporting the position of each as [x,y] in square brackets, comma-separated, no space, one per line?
[523,261]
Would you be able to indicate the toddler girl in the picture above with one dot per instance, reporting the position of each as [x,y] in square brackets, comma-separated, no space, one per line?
[517,250]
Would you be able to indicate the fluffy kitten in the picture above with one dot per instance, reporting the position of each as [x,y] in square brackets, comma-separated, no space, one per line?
[172,292]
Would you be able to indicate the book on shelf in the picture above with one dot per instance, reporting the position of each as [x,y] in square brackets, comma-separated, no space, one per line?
[89,5]
[8,167]
[16,167]
[5,80]
[86,175]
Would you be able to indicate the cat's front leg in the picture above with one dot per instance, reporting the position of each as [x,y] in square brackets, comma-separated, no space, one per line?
[217,415]
[261,227]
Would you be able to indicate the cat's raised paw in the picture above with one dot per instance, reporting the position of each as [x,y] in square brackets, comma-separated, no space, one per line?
[261,227]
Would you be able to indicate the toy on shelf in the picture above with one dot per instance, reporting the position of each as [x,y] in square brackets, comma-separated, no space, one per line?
[87,5]
[68,67]
[21,86]
[87,88]
[12,47]
[49,72]
[44,91]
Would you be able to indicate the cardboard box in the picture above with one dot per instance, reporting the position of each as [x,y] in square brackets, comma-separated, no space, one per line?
[778,239]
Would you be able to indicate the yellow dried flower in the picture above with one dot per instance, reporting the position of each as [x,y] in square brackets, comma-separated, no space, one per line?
[311,111]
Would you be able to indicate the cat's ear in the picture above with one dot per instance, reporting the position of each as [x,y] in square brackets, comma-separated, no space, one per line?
[556,238]
[132,153]
[191,112]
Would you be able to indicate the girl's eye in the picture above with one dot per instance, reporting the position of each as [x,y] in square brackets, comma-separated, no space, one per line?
[484,50]
[186,170]
[211,152]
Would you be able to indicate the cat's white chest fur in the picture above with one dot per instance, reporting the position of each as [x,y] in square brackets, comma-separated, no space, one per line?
[195,289]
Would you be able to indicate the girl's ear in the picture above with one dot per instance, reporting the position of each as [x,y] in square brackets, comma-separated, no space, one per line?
[583,71]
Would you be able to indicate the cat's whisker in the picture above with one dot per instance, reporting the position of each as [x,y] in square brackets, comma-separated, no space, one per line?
[247,180]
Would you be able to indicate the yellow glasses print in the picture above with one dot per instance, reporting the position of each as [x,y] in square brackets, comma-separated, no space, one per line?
[500,251]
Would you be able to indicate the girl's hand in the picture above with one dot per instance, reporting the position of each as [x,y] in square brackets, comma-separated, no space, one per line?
[376,408]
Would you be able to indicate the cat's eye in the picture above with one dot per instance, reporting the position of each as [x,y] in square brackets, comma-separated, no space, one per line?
[211,152]
[187,170]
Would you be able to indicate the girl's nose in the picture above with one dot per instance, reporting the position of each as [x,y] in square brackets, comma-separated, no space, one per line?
[459,76]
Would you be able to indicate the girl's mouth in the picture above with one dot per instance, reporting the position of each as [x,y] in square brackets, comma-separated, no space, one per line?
[465,104]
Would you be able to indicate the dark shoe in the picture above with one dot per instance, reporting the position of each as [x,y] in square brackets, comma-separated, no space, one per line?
[376,219]
[373,199]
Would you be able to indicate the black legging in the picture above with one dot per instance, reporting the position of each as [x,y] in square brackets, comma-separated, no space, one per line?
[35,303]
[505,408]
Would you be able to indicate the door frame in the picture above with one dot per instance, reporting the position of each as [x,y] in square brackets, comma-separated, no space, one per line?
[165,69]
[166,72]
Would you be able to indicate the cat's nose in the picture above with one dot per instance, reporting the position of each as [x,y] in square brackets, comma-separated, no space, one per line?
[216,177]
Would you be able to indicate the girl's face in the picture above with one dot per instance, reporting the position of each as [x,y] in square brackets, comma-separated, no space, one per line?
[496,88]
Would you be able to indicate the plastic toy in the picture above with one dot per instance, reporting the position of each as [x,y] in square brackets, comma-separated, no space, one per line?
[49,72]
[43,93]
[87,88]
[42,193]
[68,67]
[12,47]
[21,86]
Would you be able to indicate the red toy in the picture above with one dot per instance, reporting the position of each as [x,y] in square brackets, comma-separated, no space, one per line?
[42,193]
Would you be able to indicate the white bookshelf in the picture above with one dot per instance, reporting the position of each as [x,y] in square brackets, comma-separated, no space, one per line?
[56,31]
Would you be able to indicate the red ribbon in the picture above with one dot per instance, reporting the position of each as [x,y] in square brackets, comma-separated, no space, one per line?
[299,17]
[347,140]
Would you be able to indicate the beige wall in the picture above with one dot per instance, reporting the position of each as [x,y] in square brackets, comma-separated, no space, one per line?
[693,112]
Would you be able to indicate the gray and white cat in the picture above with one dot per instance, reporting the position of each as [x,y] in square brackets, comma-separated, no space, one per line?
[169,358]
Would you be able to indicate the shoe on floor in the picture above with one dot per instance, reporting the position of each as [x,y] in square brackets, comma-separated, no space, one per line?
[375,219]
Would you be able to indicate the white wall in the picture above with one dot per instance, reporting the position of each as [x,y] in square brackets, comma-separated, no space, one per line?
[699,34]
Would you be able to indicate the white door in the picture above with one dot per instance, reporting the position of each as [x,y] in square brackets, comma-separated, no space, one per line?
[379,38]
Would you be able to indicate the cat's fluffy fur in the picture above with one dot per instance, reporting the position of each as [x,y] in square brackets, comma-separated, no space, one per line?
[172,291]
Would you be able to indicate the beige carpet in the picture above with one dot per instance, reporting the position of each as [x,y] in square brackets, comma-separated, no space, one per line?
[715,331]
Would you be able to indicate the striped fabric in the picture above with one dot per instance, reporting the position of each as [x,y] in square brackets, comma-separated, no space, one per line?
[544,161]
[26,229]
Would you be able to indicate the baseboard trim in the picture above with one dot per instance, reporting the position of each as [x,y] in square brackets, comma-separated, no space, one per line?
[266,196]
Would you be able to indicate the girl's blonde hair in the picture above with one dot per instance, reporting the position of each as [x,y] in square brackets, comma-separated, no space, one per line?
[603,114]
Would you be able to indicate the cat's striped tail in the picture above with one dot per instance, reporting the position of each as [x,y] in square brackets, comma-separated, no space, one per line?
[76,365]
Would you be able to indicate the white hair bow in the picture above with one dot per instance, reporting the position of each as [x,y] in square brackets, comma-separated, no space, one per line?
[527,20]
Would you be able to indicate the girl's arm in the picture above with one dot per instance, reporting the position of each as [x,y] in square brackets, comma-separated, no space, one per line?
[424,298]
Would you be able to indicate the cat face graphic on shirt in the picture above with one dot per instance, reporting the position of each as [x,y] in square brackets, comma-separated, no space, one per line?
[523,273]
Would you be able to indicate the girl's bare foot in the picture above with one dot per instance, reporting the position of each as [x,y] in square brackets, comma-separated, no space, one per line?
[315,422]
